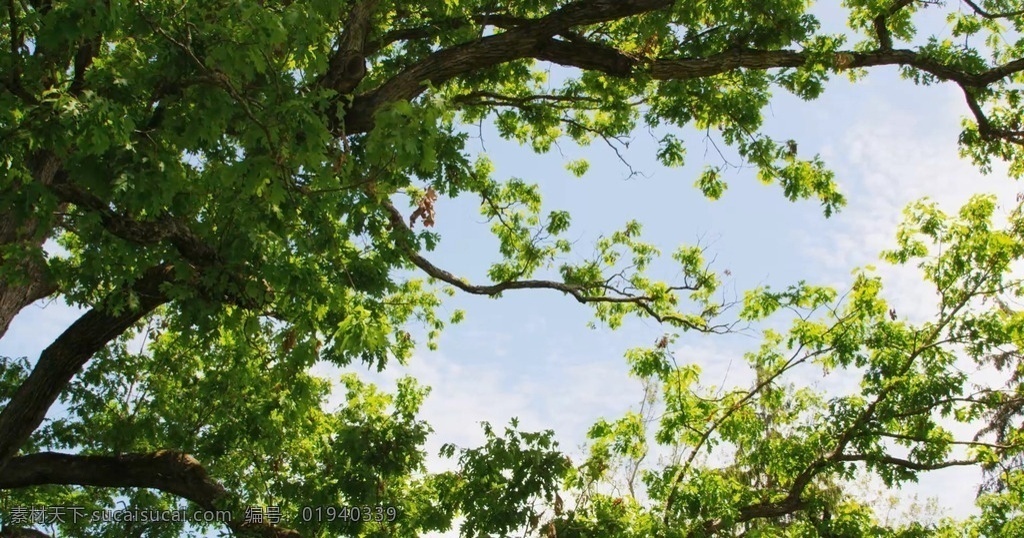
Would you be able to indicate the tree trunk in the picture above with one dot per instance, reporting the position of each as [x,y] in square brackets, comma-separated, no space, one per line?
[25,278]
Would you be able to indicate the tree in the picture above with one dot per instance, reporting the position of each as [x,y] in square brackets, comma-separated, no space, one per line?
[792,444]
[220,179]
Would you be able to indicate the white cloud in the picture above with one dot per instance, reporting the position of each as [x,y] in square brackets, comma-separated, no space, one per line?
[887,160]
[562,393]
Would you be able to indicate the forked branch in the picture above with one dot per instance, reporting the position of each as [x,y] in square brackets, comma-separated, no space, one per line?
[584,293]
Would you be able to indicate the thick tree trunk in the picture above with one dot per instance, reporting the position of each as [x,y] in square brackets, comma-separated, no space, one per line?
[25,279]
[15,295]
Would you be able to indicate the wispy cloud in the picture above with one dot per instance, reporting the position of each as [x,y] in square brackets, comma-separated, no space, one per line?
[887,160]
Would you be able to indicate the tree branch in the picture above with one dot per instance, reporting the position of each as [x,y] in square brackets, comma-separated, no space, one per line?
[793,361]
[587,55]
[153,232]
[837,453]
[793,503]
[347,66]
[750,512]
[169,471]
[923,440]
[516,43]
[905,463]
[62,359]
[577,291]
[985,127]
[166,470]
[165,228]
[884,35]
[438,27]
[18,532]
[989,15]
[26,232]
[84,57]
[882,20]
[487,98]
[536,38]
[794,499]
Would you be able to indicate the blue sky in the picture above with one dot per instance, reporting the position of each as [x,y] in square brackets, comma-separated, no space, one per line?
[530,354]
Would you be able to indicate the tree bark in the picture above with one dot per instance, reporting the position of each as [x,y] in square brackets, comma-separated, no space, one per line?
[169,471]
[59,362]
[18,532]
[165,470]
[26,279]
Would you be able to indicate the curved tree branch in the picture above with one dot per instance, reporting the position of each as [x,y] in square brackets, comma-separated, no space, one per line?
[169,471]
[794,501]
[837,453]
[168,229]
[508,46]
[986,129]
[577,291]
[62,359]
[166,470]
[516,43]
[537,38]
[28,235]
[992,15]
[152,232]
[881,23]
[673,486]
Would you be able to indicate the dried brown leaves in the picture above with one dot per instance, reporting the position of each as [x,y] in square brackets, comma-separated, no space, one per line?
[424,209]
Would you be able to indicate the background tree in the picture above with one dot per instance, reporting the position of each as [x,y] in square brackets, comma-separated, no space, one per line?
[793,447]
[217,184]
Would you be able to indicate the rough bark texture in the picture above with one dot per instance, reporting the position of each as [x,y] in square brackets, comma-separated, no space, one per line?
[169,471]
[62,359]
[30,280]
[166,470]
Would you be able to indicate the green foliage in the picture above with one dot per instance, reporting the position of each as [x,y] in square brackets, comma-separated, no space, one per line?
[743,454]
[215,181]
[499,482]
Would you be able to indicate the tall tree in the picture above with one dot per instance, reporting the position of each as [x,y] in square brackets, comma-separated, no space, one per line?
[222,179]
